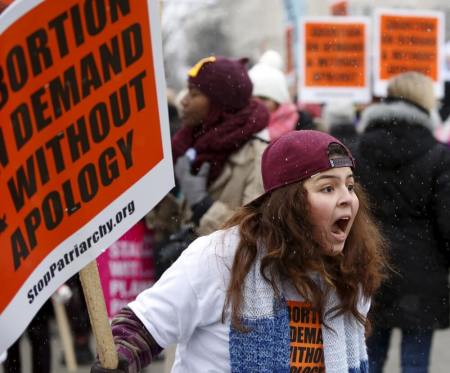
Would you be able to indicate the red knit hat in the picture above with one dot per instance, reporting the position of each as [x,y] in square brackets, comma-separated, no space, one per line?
[224,81]
[298,155]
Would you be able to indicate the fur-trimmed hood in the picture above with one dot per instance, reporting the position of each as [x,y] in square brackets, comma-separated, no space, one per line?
[394,133]
[397,110]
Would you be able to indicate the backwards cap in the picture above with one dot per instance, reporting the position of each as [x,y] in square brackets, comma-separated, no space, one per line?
[298,155]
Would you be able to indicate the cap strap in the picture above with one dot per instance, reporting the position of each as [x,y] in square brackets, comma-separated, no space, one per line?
[341,162]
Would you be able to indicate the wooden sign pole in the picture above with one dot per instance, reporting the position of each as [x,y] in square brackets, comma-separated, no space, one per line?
[90,280]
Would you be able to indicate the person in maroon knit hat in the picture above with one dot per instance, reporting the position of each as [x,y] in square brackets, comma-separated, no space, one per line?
[216,152]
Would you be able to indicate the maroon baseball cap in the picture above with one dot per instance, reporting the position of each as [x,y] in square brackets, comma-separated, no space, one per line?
[298,155]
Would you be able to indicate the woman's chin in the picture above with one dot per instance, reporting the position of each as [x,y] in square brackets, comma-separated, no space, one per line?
[334,249]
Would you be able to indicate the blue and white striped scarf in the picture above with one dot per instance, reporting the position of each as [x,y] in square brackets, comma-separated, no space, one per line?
[266,347]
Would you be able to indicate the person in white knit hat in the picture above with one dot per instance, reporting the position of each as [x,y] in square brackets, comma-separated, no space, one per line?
[272,58]
[270,86]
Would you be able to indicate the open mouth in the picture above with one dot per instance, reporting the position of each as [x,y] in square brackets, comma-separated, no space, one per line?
[339,228]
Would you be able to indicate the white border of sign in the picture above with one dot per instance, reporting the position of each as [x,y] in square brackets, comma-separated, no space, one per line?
[145,193]
[324,94]
[380,86]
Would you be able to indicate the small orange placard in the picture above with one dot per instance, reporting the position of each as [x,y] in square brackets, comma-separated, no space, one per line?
[408,43]
[334,54]
[289,39]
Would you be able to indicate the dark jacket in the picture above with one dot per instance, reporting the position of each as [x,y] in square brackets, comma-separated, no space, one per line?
[346,133]
[407,175]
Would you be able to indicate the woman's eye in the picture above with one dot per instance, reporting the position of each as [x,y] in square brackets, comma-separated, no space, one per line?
[351,187]
[327,189]
[192,93]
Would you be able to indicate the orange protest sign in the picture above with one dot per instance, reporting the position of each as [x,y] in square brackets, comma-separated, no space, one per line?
[334,56]
[79,126]
[407,41]
[289,45]
[306,342]
[339,7]
[290,66]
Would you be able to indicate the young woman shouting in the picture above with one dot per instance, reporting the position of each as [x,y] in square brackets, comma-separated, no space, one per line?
[284,287]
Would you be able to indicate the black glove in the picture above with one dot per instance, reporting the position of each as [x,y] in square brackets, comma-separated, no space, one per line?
[122,367]
[167,253]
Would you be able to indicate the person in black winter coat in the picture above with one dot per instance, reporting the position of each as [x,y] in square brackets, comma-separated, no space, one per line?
[407,174]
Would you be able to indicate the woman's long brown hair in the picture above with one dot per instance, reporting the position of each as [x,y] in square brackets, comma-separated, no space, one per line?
[280,224]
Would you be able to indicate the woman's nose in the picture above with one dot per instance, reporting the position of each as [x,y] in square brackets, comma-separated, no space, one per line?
[184,101]
[345,196]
